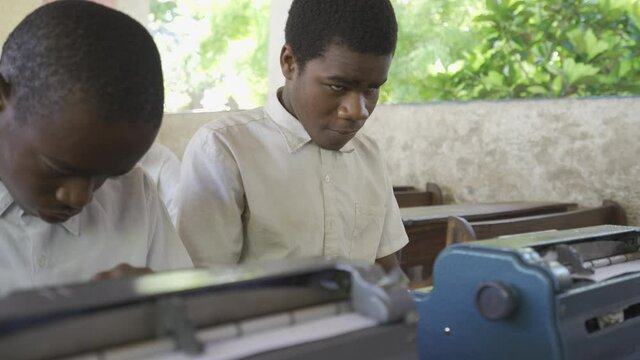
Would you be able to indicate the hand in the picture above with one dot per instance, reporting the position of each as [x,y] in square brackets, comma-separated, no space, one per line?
[120,271]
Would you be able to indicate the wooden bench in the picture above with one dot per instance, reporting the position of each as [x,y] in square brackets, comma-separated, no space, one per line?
[408,198]
[426,227]
[463,230]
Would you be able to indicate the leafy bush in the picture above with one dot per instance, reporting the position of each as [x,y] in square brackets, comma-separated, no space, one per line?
[527,48]
[447,50]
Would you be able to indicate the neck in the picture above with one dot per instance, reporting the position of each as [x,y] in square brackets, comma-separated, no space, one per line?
[285,100]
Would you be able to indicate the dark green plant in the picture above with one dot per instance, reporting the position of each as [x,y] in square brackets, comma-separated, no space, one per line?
[447,49]
[544,48]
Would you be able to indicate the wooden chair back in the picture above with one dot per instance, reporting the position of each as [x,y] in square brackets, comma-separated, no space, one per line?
[410,198]
[426,227]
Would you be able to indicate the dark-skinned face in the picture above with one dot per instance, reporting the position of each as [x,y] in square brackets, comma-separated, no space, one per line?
[335,93]
[52,166]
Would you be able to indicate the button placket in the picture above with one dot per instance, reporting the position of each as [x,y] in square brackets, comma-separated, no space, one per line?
[330,238]
[36,231]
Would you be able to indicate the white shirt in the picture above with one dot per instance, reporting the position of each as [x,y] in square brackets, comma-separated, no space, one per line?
[163,166]
[124,223]
[254,187]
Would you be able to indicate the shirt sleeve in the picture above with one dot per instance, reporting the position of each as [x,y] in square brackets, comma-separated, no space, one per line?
[394,236]
[166,251]
[210,201]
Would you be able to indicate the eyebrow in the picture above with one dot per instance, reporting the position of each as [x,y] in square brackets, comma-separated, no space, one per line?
[351,82]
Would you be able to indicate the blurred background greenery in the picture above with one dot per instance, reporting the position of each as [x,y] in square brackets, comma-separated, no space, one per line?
[215,51]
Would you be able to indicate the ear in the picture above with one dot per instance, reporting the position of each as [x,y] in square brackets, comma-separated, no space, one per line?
[4,92]
[288,62]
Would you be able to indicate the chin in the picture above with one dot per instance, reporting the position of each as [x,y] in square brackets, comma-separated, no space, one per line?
[54,218]
[332,146]
[334,143]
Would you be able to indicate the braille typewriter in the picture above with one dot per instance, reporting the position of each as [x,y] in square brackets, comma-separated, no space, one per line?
[572,294]
[297,309]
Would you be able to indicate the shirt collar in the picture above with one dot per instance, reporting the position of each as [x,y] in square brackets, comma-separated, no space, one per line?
[73,224]
[6,200]
[291,129]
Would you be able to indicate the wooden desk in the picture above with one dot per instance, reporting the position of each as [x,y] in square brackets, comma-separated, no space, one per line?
[426,226]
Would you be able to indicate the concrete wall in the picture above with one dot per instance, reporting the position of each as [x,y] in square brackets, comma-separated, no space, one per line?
[177,129]
[13,11]
[582,150]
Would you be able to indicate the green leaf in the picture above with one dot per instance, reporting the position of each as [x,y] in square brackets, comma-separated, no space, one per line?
[556,85]
[577,71]
[537,90]
[456,67]
[594,46]
[624,67]
[493,79]
[577,39]
[477,59]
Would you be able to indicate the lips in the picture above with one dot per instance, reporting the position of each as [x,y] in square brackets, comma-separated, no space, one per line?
[345,132]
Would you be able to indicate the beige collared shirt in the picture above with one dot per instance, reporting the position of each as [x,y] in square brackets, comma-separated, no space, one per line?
[255,187]
[124,223]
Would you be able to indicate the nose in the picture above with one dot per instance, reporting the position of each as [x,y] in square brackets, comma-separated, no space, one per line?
[353,107]
[76,192]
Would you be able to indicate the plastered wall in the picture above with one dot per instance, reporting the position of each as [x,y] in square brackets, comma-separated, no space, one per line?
[13,11]
[579,151]
[568,150]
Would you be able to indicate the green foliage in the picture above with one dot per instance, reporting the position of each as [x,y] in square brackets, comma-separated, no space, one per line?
[429,32]
[539,48]
[447,49]
[212,49]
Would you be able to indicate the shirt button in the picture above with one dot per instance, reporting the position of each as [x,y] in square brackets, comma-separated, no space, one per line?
[42,261]
[327,178]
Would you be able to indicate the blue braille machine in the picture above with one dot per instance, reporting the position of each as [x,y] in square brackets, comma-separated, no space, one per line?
[572,294]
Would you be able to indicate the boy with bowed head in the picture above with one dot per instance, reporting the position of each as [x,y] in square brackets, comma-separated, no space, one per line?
[81,101]
[295,178]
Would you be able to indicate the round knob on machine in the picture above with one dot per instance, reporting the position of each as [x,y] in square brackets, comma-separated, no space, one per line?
[496,300]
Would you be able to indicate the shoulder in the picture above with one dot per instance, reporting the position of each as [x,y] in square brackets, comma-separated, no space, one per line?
[233,130]
[237,119]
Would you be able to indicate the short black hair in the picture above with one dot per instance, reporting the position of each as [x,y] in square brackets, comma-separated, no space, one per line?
[365,26]
[76,52]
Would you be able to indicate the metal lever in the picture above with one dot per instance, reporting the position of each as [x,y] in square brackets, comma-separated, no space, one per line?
[570,256]
[173,321]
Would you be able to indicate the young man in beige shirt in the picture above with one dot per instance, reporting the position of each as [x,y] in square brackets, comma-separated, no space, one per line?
[295,178]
